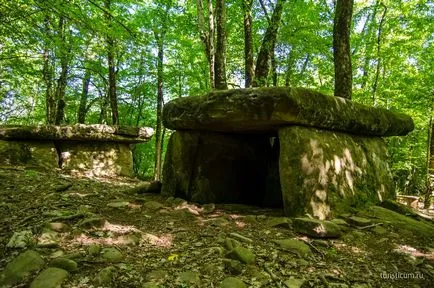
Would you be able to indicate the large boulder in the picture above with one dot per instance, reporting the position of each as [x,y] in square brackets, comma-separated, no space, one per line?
[220,168]
[264,110]
[96,158]
[323,171]
[29,153]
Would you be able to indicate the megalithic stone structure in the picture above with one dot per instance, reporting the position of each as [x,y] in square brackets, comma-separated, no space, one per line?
[291,147]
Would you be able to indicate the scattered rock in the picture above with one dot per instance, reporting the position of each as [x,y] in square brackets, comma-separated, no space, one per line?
[97,222]
[231,243]
[234,267]
[241,237]
[379,230]
[189,277]
[63,187]
[359,221]
[112,255]
[280,222]
[57,254]
[128,240]
[150,285]
[49,239]
[316,228]
[105,276]
[64,263]
[156,276]
[243,254]
[58,227]
[339,221]
[294,283]
[153,205]
[208,208]
[20,239]
[232,282]
[118,204]
[24,265]
[50,278]
[295,246]
[94,250]
[219,222]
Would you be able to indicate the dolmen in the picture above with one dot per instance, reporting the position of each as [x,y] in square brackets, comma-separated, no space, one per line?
[281,147]
[90,150]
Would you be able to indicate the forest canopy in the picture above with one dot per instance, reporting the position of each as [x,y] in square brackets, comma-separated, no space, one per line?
[119,61]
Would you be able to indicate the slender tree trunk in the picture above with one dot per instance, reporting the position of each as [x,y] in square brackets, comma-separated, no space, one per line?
[248,43]
[82,108]
[47,76]
[341,48]
[377,71]
[290,64]
[62,81]
[207,35]
[158,134]
[429,157]
[104,102]
[267,47]
[110,42]
[274,69]
[368,45]
[220,54]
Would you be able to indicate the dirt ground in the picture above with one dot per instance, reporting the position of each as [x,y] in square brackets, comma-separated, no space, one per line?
[166,242]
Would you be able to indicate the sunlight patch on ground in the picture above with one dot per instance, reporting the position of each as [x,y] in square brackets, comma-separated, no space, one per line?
[405,249]
[164,241]
[193,209]
[120,229]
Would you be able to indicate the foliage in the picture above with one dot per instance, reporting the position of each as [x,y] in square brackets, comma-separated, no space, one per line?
[391,69]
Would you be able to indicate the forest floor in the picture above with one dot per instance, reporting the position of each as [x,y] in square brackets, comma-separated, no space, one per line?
[107,237]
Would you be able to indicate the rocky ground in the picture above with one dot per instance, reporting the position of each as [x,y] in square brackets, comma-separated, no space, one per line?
[57,230]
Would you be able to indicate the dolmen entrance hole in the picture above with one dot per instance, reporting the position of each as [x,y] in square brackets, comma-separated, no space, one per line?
[291,147]
[91,150]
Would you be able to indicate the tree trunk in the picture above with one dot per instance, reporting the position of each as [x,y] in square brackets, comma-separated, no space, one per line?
[429,158]
[207,36]
[62,81]
[377,71]
[341,48]
[220,55]
[158,134]
[82,109]
[288,73]
[267,47]
[110,42]
[47,76]
[248,43]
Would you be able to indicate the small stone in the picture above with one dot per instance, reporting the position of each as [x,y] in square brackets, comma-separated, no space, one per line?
[234,267]
[208,208]
[189,277]
[112,255]
[48,239]
[94,249]
[232,282]
[231,243]
[118,204]
[105,276]
[156,275]
[50,278]
[153,205]
[150,285]
[294,283]
[359,221]
[379,230]
[57,254]
[23,266]
[279,222]
[20,239]
[295,246]
[316,228]
[129,240]
[64,263]
[97,222]
[339,221]
[58,227]
[243,254]
[250,219]
[219,222]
